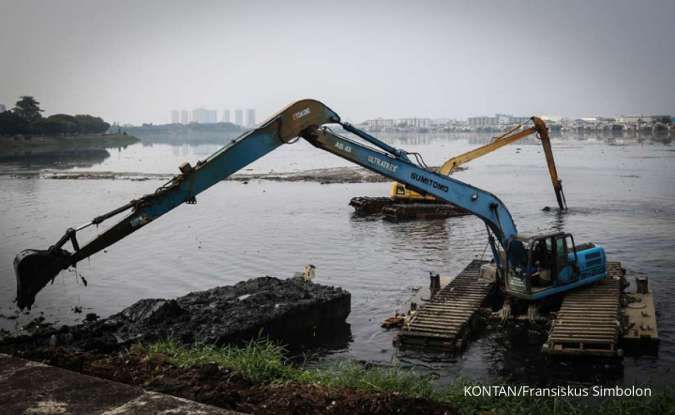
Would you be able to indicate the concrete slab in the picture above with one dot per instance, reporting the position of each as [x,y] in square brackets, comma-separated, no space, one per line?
[31,388]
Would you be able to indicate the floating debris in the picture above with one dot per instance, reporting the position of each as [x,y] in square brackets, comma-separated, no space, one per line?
[394,321]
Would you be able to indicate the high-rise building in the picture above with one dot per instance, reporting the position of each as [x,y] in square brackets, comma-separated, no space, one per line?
[226,116]
[250,117]
[482,121]
[212,116]
[175,117]
[204,116]
[184,117]
[239,117]
[199,115]
[3,108]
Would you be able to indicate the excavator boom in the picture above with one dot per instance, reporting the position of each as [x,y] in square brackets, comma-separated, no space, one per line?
[401,193]
[542,131]
[306,119]
[35,268]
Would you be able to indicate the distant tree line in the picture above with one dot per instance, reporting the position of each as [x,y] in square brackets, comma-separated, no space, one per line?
[193,133]
[26,118]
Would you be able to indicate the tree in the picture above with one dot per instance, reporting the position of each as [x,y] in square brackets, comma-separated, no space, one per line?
[11,124]
[89,124]
[56,124]
[26,118]
[28,109]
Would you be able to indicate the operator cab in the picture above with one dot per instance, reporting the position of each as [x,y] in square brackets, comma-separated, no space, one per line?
[548,264]
[397,190]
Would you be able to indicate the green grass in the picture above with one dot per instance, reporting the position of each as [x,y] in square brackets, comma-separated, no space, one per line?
[263,361]
[348,374]
[260,361]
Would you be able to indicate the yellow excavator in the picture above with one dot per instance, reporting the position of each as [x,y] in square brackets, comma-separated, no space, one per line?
[405,203]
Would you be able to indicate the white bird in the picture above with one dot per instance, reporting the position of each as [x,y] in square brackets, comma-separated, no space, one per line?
[310,273]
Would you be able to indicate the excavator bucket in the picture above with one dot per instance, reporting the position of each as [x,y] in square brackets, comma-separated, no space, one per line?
[34,269]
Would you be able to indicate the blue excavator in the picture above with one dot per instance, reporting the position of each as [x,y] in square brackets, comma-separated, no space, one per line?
[527,268]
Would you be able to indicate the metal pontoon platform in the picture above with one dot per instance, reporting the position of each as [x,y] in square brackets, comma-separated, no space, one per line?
[444,322]
[398,210]
[589,322]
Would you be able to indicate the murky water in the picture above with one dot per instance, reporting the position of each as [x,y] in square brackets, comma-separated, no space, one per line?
[621,195]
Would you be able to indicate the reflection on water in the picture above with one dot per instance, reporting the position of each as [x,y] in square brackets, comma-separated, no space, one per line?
[557,222]
[528,363]
[163,158]
[52,159]
[619,196]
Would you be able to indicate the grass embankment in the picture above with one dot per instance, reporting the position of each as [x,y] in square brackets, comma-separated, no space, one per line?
[263,362]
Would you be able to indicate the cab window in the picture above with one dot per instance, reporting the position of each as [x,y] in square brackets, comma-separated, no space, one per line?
[570,245]
[561,252]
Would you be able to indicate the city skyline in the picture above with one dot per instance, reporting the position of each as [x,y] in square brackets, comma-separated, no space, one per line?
[248,118]
[187,116]
[203,115]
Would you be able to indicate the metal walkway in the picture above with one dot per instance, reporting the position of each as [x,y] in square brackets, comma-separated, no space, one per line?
[443,323]
[588,323]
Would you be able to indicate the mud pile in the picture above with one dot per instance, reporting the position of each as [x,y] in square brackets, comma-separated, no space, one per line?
[294,312]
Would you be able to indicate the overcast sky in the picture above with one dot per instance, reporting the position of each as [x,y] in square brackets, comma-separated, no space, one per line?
[134,61]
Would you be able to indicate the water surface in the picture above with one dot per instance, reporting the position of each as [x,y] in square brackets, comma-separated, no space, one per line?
[620,195]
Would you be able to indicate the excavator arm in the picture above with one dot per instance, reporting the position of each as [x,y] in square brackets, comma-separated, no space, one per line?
[542,132]
[400,192]
[307,119]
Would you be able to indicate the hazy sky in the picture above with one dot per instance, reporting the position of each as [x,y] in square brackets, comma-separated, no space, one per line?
[134,61]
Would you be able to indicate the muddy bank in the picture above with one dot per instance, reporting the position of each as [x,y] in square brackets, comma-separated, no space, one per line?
[287,311]
[326,176]
[224,388]
[292,312]
[323,176]
[352,174]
